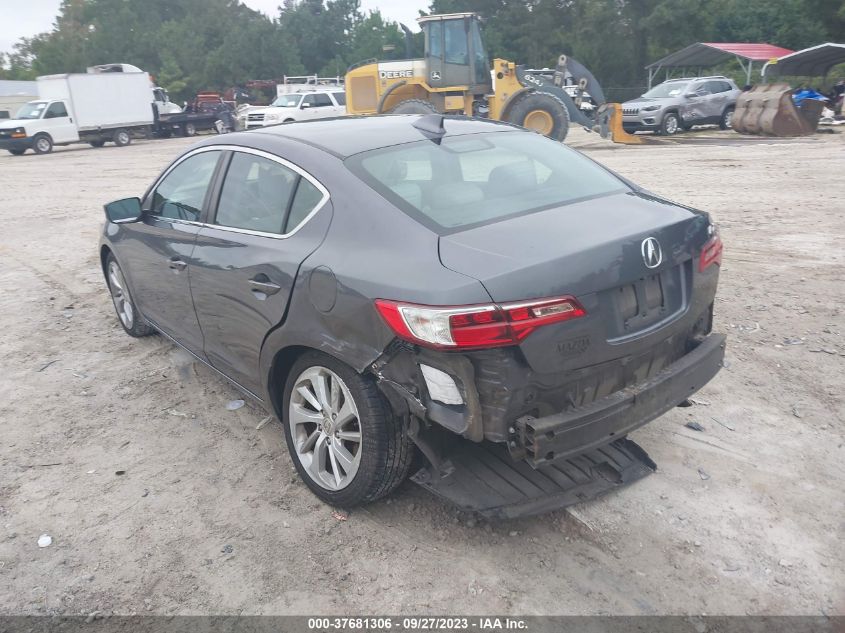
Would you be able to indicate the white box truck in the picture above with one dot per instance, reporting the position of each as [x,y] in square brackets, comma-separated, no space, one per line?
[93,107]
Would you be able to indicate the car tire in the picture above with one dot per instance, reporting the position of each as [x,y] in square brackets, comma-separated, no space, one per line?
[414,106]
[189,129]
[17,152]
[127,312]
[97,143]
[367,468]
[42,144]
[121,138]
[670,124]
[727,117]
[541,112]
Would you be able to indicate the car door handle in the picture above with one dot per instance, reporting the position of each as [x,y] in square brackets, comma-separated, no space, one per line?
[178,264]
[258,284]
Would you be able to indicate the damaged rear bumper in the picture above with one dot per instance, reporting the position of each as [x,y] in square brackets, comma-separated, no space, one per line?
[560,436]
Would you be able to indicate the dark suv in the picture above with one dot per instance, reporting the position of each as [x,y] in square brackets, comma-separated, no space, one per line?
[466,288]
[679,104]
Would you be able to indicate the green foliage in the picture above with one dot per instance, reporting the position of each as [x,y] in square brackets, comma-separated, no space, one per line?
[191,45]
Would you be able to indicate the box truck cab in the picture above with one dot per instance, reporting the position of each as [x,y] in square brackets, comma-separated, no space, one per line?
[93,107]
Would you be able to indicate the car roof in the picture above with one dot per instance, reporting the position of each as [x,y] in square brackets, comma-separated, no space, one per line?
[668,81]
[348,135]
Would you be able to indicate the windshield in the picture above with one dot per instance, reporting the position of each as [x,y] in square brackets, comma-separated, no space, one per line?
[287,101]
[32,110]
[672,89]
[480,178]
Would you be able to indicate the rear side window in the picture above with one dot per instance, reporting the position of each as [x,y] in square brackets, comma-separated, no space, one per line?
[263,195]
[305,200]
[480,178]
[340,97]
[181,194]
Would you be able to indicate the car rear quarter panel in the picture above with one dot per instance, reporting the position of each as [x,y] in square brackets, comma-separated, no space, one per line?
[372,250]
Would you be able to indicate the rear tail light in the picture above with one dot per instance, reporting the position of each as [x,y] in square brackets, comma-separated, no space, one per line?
[711,253]
[475,326]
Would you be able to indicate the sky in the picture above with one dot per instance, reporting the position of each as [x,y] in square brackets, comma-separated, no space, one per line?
[25,18]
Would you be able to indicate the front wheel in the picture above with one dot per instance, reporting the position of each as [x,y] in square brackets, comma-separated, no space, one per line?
[343,438]
[17,152]
[128,314]
[542,112]
[97,143]
[189,129]
[670,125]
[727,118]
[42,144]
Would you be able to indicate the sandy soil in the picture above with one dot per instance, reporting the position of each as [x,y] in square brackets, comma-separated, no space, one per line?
[210,517]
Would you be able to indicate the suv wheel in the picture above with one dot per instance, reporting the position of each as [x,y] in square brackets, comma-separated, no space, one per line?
[727,117]
[343,438]
[128,314]
[671,124]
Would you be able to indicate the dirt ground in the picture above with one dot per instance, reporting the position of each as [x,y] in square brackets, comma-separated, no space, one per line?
[746,517]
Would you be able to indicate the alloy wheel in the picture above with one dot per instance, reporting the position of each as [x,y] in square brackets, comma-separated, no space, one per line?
[120,296]
[42,145]
[325,428]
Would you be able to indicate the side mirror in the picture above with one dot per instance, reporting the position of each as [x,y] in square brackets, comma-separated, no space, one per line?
[126,210]
[305,105]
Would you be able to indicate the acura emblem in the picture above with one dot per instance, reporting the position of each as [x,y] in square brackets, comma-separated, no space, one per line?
[652,254]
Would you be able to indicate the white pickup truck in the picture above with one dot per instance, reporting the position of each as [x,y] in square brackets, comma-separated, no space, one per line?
[93,107]
[297,106]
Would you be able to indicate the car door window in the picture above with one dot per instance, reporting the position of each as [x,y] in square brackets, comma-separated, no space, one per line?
[340,97]
[256,194]
[702,89]
[318,100]
[56,110]
[181,194]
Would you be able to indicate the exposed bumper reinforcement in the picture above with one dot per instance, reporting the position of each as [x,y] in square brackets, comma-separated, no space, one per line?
[557,437]
[484,478]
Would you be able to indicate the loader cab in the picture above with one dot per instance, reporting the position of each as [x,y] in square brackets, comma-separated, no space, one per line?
[455,53]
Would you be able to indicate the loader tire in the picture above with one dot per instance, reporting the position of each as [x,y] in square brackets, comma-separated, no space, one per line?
[414,106]
[541,112]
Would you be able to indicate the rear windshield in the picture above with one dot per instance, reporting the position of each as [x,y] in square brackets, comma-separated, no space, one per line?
[480,178]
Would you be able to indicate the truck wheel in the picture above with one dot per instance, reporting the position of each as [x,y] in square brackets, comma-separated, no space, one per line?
[414,106]
[97,143]
[42,144]
[541,112]
[17,152]
[343,438]
[189,129]
[121,138]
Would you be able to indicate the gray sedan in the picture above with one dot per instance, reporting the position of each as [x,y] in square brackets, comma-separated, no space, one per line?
[464,300]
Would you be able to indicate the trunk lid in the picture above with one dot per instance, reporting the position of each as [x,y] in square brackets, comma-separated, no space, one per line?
[633,289]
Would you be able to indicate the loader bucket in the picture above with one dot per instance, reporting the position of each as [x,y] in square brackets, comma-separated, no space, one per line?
[769,110]
[609,125]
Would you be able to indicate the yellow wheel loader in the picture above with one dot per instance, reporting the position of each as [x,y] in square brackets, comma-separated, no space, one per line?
[455,77]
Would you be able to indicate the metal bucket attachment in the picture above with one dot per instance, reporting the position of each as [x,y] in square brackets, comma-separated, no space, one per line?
[770,111]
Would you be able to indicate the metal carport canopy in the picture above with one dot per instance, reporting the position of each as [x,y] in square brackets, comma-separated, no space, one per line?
[705,54]
[815,61]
